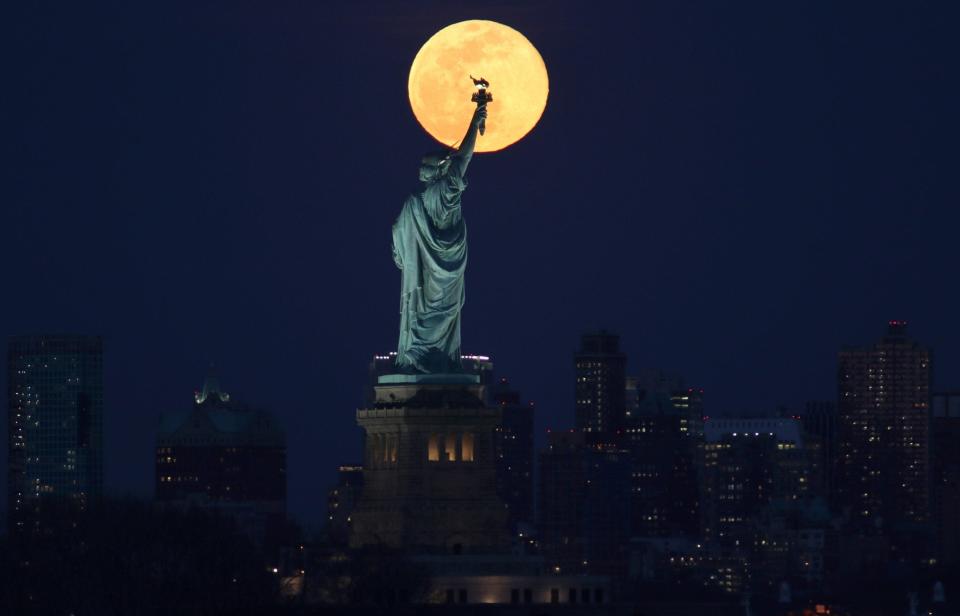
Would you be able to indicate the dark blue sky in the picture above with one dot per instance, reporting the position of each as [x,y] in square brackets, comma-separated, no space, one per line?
[737,190]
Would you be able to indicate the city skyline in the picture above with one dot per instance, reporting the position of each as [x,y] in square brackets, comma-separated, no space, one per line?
[326,475]
[737,192]
[657,495]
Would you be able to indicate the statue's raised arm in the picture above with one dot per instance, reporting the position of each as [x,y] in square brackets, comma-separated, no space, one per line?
[463,155]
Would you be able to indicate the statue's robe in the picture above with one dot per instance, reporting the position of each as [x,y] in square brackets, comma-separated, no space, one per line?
[430,248]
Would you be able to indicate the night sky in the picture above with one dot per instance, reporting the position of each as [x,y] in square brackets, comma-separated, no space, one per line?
[738,190]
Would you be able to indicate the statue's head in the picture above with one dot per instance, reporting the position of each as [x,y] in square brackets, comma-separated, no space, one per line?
[434,165]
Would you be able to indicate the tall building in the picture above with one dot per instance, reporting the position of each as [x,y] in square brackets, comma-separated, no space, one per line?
[55,420]
[658,392]
[819,421]
[601,403]
[513,445]
[749,462]
[665,471]
[664,435]
[224,456]
[945,465]
[655,386]
[883,430]
[341,501]
[688,405]
[584,519]
[756,500]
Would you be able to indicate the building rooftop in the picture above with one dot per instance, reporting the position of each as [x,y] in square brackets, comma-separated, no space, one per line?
[215,418]
[784,429]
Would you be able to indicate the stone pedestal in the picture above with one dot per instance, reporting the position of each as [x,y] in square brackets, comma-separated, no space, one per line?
[429,468]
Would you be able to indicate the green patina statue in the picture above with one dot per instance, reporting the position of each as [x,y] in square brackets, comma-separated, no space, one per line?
[430,248]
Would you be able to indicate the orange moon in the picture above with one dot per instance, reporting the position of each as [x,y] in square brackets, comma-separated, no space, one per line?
[439,85]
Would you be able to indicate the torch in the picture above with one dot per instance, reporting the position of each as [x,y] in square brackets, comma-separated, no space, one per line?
[481,97]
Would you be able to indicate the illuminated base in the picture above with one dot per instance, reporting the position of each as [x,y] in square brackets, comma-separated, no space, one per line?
[429,471]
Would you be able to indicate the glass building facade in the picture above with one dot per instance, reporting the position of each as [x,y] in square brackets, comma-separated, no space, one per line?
[55,420]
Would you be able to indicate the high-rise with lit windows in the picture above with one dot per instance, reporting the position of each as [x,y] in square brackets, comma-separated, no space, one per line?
[756,506]
[601,402]
[55,420]
[224,456]
[749,463]
[883,430]
[664,435]
[341,501]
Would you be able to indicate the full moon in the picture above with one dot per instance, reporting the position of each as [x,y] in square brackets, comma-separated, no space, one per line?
[439,85]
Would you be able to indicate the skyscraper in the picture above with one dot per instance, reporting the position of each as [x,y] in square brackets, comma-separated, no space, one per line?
[224,456]
[584,515]
[55,420]
[749,463]
[655,392]
[945,461]
[601,386]
[756,510]
[513,446]
[884,433]
[341,501]
[664,435]
[819,420]
[664,478]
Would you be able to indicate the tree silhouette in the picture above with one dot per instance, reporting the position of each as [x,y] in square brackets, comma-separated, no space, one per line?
[126,557]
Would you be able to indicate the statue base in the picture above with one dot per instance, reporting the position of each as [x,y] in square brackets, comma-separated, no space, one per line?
[434,379]
[426,390]
[430,468]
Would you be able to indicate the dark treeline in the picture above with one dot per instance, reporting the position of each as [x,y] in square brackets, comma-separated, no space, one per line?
[127,557]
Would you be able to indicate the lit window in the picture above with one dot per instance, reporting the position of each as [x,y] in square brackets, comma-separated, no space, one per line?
[450,448]
[466,447]
[433,448]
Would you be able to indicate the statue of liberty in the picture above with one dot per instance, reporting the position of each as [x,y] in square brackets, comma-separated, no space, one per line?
[430,248]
